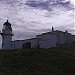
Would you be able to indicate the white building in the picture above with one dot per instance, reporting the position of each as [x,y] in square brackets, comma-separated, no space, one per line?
[63,38]
[45,40]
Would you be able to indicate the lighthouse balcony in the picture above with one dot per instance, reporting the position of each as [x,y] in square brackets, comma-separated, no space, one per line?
[7,32]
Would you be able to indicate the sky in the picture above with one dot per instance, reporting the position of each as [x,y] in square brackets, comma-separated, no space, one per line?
[31,17]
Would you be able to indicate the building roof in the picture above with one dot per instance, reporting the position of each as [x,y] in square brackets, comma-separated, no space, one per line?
[25,39]
[8,25]
[45,33]
[52,33]
[61,31]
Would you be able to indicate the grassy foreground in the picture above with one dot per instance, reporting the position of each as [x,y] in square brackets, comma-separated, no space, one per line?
[53,61]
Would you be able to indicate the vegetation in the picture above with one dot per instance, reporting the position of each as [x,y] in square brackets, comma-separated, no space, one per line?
[53,61]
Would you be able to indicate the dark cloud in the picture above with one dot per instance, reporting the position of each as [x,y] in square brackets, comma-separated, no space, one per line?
[36,4]
[48,5]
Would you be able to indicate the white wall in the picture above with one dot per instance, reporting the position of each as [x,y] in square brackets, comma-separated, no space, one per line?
[73,37]
[60,37]
[47,41]
[69,39]
[6,41]
[16,44]
[63,38]
[19,44]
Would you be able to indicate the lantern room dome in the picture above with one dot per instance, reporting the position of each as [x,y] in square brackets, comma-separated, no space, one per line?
[7,26]
[7,23]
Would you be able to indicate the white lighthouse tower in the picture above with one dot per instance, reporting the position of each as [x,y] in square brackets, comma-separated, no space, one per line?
[6,35]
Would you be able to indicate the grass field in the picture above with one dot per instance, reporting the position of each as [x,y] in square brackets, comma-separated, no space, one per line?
[53,61]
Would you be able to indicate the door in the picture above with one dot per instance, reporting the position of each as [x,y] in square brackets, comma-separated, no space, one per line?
[27,45]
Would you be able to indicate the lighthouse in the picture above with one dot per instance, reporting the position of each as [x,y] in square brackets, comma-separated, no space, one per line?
[6,35]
